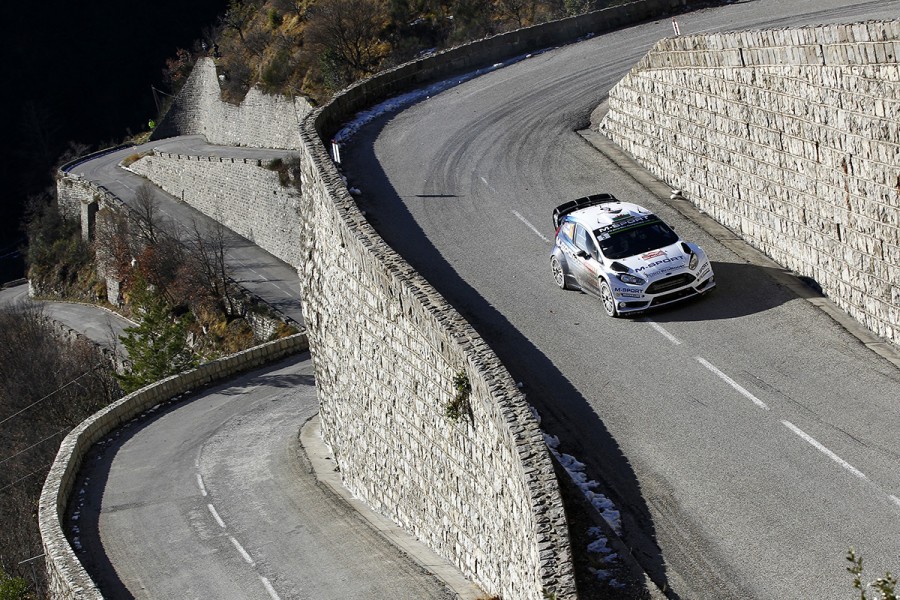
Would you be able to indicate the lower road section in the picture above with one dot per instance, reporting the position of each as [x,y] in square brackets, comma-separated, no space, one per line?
[213,497]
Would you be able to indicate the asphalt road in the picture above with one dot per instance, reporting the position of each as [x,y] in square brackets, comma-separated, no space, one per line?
[213,497]
[101,326]
[749,439]
[255,269]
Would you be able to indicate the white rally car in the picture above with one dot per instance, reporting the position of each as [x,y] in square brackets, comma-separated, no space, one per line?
[626,255]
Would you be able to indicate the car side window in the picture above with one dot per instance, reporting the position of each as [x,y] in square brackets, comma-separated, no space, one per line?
[584,242]
[568,231]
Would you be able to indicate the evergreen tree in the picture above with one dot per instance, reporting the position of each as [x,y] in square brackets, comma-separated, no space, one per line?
[157,346]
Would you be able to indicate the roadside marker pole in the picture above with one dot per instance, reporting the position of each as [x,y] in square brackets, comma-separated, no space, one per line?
[675,26]
[336,152]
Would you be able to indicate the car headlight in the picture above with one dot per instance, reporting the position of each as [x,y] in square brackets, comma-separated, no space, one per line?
[630,279]
[694,260]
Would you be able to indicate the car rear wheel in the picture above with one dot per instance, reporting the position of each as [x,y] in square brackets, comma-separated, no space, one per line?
[609,303]
[559,275]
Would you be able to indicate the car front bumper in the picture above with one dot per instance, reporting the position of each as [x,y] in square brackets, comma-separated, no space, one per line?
[631,299]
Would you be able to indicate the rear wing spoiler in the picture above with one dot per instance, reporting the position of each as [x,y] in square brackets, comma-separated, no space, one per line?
[572,205]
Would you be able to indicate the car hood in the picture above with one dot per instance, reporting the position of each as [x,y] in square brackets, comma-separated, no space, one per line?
[658,263]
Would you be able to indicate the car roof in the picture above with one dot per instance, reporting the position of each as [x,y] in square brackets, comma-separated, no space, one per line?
[604,215]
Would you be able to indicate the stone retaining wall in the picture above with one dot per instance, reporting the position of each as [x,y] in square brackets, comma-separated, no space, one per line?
[789,137]
[242,194]
[480,491]
[260,121]
[67,578]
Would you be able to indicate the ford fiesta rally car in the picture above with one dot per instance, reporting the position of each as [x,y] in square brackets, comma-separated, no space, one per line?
[626,255]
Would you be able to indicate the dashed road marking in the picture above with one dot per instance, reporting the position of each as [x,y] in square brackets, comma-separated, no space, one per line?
[530,226]
[732,383]
[665,333]
[269,588]
[824,450]
[244,554]
[212,510]
[200,484]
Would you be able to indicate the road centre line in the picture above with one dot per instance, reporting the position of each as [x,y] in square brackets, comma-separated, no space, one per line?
[212,510]
[825,450]
[894,499]
[665,333]
[530,226]
[269,588]
[244,554]
[490,187]
[200,484]
[732,383]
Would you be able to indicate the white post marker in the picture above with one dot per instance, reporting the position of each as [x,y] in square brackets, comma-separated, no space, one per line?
[336,152]
[675,26]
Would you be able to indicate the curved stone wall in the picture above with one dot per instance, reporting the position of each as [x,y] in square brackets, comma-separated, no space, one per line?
[388,349]
[67,577]
[789,137]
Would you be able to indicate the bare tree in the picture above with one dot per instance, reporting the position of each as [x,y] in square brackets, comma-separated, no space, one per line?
[208,249]
[521,11]
[349,32]
[239,16]
[146,214]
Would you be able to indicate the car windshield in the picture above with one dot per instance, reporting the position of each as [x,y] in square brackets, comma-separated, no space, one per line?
[636,239]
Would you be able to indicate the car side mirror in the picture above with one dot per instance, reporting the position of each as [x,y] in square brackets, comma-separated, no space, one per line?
[581,254]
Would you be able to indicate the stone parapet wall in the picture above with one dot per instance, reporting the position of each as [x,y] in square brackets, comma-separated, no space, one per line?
[242,194]
[789,137]
[68,579]
[260,121]
[480,491]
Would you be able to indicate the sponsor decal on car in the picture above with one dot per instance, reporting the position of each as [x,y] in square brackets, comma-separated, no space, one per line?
[664,261]
[623,222]
[653,254]
[622,290]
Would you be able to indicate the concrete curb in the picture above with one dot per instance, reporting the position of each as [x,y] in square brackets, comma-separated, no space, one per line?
[734,242]
[325,468]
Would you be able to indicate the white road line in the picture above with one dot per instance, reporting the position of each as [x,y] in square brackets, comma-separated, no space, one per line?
[246,555]
[824,450]
[269,588]
[200,484]
[732,383]
[894,499]
[665,333]
[212,509]
[530,226]
[490,187]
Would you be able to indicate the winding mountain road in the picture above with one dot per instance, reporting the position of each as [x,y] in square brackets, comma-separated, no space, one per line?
[747,437]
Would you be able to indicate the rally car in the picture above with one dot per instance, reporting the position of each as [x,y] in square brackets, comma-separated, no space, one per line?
[626,255]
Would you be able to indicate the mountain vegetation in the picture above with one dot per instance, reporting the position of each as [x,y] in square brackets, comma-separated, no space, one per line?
[315,48]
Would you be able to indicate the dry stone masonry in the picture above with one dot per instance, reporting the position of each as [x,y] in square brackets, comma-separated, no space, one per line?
[242,194]
[789,137]
[260,121]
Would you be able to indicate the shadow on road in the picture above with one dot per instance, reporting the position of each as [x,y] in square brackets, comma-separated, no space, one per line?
[741,289]
[564,411]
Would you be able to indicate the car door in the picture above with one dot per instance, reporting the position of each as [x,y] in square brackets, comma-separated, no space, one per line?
[586,267]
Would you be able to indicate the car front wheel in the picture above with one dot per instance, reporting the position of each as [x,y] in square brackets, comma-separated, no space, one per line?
[559,275]
[609,303]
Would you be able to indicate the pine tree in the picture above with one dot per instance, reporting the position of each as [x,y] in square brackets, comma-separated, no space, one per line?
[157,346]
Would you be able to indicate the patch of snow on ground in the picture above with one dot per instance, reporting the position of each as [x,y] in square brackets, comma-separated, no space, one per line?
[400,102]
[575,469]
